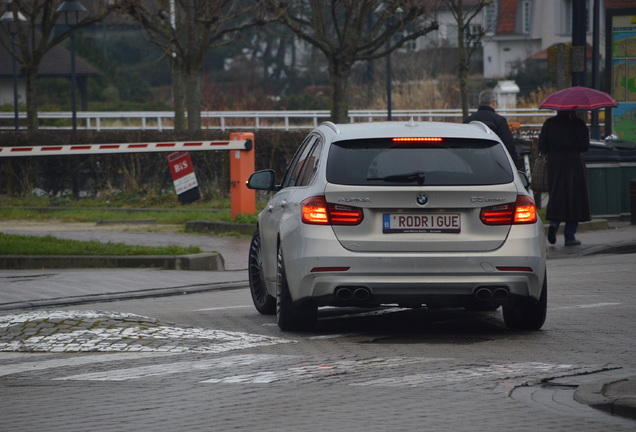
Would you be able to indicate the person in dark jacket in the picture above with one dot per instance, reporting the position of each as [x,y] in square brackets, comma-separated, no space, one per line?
[563,139]
[497,123]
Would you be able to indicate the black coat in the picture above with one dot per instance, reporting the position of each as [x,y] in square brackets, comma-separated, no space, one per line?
[498,124]
[563,139]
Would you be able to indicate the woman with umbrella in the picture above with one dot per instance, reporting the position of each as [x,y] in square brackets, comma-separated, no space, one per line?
[564,138]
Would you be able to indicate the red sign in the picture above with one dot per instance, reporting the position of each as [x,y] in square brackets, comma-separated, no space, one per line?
[182,172]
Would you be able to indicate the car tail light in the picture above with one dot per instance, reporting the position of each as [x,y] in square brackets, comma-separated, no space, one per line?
[417,139]
[523,211]
[526,211]
[316,210]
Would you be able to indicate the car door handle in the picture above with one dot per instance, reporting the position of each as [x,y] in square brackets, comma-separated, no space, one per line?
[270,208]
[283,204]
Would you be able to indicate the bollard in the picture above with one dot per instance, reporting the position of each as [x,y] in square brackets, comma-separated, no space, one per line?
[632,197]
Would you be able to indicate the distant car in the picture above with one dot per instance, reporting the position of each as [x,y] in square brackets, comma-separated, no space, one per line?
[405,213]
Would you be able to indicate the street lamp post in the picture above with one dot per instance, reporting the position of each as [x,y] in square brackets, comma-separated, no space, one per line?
[68,8]
[595,129]
[389,90]
[8,17]
[380,10]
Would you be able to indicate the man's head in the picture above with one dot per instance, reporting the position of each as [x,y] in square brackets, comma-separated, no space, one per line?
[488,98]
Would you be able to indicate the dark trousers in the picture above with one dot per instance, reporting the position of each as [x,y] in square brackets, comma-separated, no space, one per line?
[569,231]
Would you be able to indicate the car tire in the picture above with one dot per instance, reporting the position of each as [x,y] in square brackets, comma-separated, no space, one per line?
[291,316]
[524,313]
[263,301]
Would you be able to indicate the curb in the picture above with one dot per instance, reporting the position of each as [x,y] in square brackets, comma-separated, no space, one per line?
[625,248]
[148,293]
[600,395]
[593,225]
[195,262]
[220,227]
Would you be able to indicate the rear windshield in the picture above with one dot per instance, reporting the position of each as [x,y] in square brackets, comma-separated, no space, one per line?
[450,162]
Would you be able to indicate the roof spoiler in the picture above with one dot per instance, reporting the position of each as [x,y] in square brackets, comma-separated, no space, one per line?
[331,125]
[482,126]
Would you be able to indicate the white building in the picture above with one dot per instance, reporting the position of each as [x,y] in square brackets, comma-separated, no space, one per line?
[517,30]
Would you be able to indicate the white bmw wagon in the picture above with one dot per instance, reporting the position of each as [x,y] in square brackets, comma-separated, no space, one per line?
[398,213]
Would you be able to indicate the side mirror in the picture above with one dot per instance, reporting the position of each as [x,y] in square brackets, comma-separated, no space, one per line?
[524,179]
[263,180]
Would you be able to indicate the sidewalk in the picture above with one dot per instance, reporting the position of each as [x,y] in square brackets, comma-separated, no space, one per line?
[27,288]
[97,278]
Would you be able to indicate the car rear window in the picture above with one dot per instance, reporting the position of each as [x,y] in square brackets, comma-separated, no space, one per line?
[452,161]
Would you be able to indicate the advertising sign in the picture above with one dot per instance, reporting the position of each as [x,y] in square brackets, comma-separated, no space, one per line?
[183,177]
[621,36]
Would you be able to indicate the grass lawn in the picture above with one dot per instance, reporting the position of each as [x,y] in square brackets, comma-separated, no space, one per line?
[48,245]
[94,210]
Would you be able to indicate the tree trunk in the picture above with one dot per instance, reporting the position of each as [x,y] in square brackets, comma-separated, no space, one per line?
[31,99]
[10,170]
[463,66]
[178,95]
[463,82]
[339,83]
[193,98]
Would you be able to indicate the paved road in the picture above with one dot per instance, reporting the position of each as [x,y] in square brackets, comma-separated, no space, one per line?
[208,361]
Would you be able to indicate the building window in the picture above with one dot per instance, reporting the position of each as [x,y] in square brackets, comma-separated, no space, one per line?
[442,32]
[473,35]
[568,6]
[410,45]
[526,16]
[490,17]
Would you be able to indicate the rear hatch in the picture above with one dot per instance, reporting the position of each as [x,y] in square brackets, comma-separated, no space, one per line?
[420,196]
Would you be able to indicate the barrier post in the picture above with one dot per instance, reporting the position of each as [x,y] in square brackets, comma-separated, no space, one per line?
[243,200]
[632,197]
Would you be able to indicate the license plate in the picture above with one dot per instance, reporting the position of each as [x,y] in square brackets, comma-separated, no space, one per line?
[421,223]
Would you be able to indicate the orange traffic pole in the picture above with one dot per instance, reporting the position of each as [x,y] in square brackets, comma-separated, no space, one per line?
[243,200]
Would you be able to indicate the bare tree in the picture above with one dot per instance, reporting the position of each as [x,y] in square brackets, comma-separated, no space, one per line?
[348,31]
[34,22]
[185,30]
[469,37]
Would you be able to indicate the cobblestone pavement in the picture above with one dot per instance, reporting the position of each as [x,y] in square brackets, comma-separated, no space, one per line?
[122,371]
[99,331]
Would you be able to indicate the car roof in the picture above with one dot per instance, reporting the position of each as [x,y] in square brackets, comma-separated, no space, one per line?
[364,130]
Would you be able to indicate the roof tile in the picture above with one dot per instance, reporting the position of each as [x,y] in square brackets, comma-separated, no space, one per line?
[507,16]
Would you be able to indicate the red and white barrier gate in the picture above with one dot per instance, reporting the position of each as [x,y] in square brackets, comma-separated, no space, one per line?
[243,199]
[76,149]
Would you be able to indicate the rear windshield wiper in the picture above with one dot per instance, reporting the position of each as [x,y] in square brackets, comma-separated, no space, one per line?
[418,176]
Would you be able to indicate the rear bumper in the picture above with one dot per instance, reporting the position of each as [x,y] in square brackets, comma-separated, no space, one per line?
[518,266]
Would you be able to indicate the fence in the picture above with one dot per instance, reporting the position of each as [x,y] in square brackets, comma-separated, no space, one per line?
[530,120]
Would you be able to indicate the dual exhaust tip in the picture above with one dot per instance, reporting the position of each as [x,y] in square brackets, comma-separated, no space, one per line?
[353,293]
[492,293]
[363,293]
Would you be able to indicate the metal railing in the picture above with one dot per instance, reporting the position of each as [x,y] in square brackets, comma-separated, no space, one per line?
[527,119]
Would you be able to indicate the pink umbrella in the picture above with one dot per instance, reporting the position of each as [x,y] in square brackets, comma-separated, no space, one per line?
[582,98]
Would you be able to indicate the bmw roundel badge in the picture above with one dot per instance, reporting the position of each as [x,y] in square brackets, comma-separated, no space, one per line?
[422,199]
